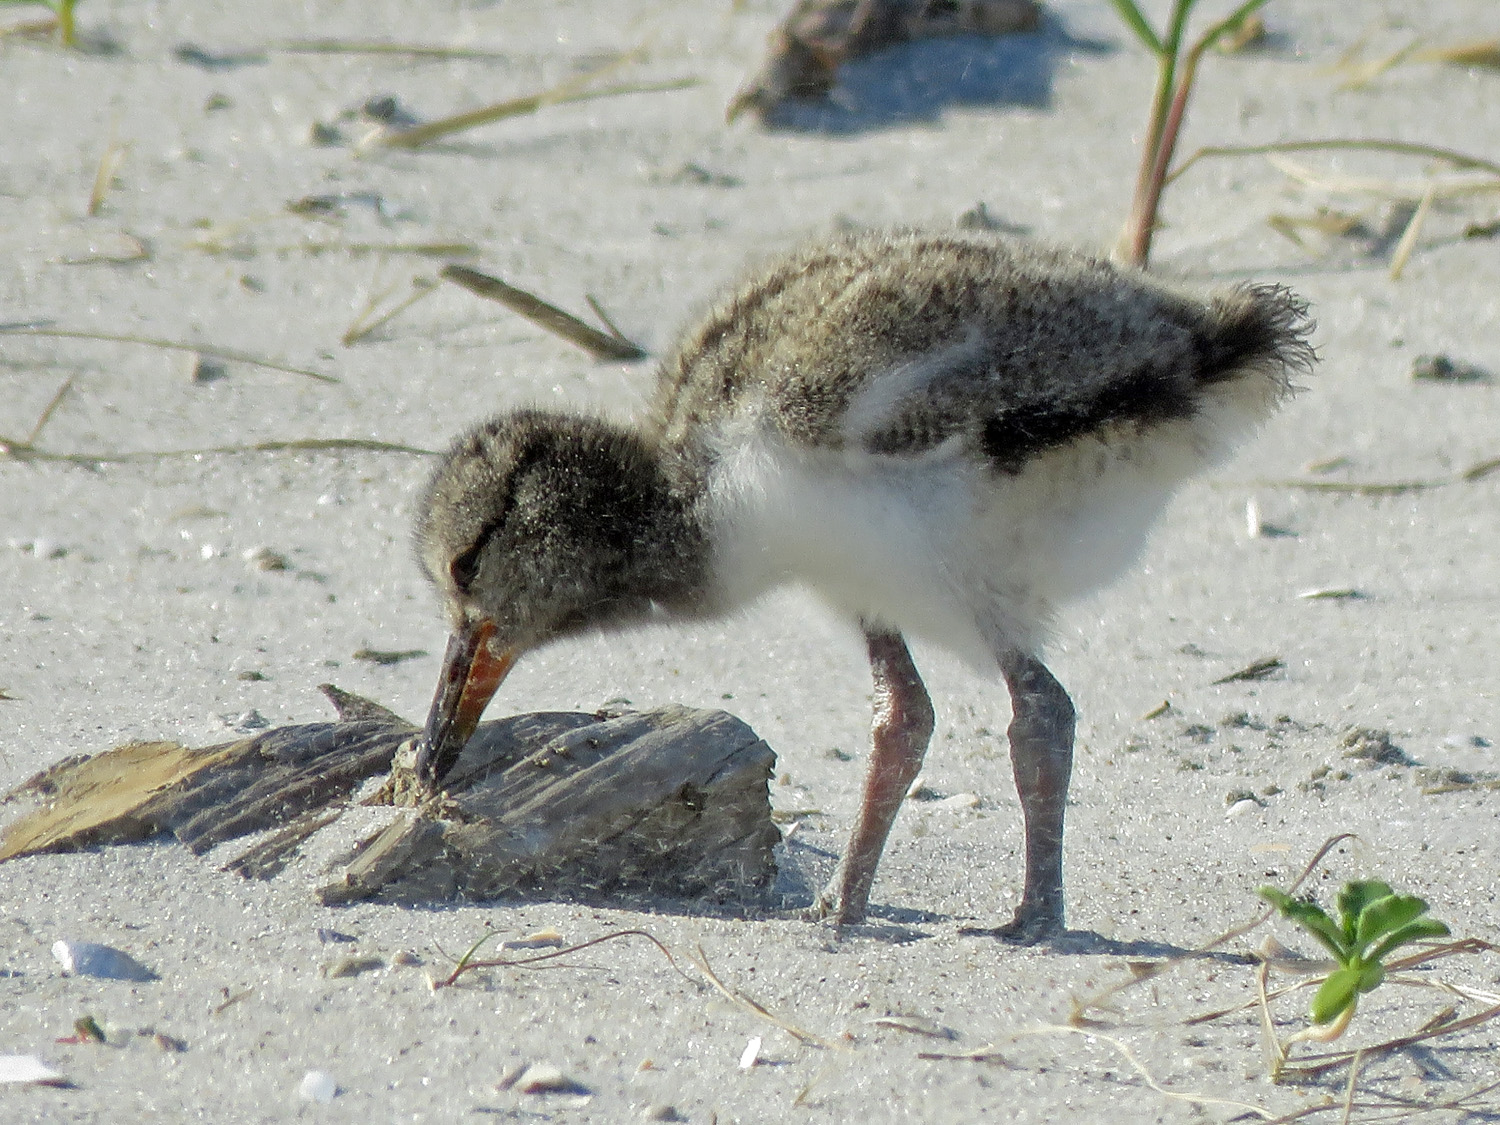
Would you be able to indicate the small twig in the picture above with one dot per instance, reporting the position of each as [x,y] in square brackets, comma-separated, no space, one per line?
[228,354]
[598,344]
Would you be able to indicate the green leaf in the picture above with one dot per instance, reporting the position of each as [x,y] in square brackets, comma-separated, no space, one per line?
[1337,993]
[1137,23]
[1370,976]
[1353,899]
[1311,917]
[1412,931]
[1385,916]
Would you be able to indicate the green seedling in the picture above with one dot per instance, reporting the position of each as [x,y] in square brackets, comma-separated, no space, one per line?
[66,31]
[1176,71]
[1373,921]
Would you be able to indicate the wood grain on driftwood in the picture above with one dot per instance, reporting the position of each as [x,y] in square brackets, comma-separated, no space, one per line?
[671,802]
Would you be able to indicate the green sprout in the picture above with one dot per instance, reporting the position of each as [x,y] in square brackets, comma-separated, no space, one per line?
[1373,921]
[66,31]
[1175,74]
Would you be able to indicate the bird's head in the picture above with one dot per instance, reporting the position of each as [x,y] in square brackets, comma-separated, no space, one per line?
[535,526]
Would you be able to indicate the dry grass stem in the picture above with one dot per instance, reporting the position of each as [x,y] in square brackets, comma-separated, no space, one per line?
[757,1009]
[104,175]
[1402,254]
[1479,52]
[467,962]
[1359,74]
[1475,472]
[574,90]
[374,47]
[47,411]
[368,321]
[1147,1077]
[22,451]
[1460,160]
[602,346]
[228,354]
[1442,187]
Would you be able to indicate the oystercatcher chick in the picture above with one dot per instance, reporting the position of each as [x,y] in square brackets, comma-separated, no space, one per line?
[944,435]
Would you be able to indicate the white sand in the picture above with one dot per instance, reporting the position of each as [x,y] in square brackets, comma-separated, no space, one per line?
[137,614]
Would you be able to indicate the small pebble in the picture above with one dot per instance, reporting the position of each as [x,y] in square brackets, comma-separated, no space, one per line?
[318,1086]
[960,801]
[660,1111]
[1444,369]
[1241,809]
[263,558]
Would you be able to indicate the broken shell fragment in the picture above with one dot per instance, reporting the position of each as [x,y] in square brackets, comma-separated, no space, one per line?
[88,959]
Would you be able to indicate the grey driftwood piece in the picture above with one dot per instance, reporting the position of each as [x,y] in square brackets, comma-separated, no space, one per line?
[665,803]
[671,802]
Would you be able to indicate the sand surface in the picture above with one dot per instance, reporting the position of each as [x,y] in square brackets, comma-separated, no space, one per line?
[129,608]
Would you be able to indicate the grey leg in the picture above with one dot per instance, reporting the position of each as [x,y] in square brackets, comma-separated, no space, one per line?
[902,727]
[1041,754]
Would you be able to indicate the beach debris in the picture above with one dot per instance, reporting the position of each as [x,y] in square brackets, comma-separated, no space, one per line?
[1331,593]
[387,657]
[751,1054]
[1255,670]
[672,802]
[601,345]
[89,959]
[819,36]
[545,1078]
[915,1025]
[86,1029]
[661,1111]
[542,939]
[264,558]
[1444,369]
[352,967]
[29,1070]
[318,1086]
[1374,747]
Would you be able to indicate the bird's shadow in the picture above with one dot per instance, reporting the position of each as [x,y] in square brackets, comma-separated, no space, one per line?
[916,82]
[1091,943]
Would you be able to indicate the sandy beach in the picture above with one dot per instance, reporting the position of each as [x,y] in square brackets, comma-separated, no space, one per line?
[153,592]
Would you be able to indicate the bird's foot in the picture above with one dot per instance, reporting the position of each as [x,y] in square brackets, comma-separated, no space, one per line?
[1028,927]
[834,907]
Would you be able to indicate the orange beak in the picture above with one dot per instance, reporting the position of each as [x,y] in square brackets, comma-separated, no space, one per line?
[471,673]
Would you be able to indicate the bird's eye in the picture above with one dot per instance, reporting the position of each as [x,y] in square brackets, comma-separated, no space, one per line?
[465,567]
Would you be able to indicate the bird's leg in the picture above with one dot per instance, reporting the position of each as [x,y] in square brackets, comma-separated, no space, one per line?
[902,726]
[1041,754]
